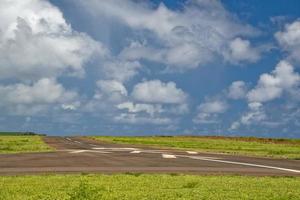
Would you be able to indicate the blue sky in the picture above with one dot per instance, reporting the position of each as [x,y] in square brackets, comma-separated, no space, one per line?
[125,67]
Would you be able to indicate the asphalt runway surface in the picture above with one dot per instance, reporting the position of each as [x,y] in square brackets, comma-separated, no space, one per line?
[81,155]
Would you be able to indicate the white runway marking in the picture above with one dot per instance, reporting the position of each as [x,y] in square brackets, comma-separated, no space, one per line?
[242,163]
[79,151]
[90,151]
[192,152]
[115,149]
[168,156]
[135,152]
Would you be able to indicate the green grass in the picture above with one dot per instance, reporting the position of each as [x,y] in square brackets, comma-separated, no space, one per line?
[10,133]
[18,144]
[148,187]
[18,133]
[276,148]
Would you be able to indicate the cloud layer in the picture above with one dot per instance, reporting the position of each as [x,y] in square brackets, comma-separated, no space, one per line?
[36,42]
[180,39]
[145,66]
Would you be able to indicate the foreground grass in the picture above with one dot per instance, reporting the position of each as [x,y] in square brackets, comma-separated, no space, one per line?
[18,144]
[276,148]
[143,187]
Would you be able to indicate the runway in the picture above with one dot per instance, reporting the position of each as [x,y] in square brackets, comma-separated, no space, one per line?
[81,155]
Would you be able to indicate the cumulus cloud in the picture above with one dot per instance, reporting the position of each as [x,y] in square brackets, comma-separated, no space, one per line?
[135,108]
[120,70]
[37,95]
[111,86]
[282,80]
[237,90]
[36,42]
[214,106]
[181,39]
[241,50]
[130,118]
[209,111]
[143,106]
[108,92]
[289,39]
[155,91]
[255,115]
[43,91]
[271,86]
[152,102]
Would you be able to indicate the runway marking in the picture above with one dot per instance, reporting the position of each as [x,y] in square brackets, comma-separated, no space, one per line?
[192,152]
[79,151]
[91,151]
[77,142]
[93,145]
[153,151]
[242,163]
[135,152]
[168,156]
[115,149]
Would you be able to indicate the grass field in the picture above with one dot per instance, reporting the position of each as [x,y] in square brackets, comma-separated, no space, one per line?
[19,133]
[17,144]
[9,133]
[148,187]
[276,148]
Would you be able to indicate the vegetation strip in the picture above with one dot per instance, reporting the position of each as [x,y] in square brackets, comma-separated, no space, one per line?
[148,187]
[22,144]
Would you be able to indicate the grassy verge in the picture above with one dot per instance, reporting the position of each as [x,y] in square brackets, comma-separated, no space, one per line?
[138,187]
[18,144]
[276,148]
[19,133]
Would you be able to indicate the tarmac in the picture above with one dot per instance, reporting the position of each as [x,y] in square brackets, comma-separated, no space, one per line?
[82,155]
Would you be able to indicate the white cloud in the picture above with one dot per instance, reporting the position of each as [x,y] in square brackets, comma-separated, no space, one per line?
[43,91]
[178,109]
[289,39]
[135,108]
[241,50]
[108,92]
[37,97]
[206,118]
[73,106]
[209,111]
[131,118]
[184,56]
[111,86]
[152,102]
[111,99]
[120,70]
[255,115]
[36,42]
[271,86]
[237,90]
[155,91]
[282,80]
[181,39]
[213,106]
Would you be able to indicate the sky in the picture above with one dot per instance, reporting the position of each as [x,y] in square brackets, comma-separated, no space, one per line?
[157,67]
